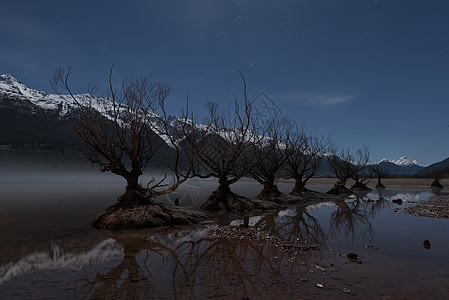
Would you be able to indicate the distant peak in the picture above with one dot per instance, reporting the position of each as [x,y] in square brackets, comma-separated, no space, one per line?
[401,161]
[8,78]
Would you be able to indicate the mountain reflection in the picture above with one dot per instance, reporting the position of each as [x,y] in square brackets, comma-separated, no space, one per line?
[57,259]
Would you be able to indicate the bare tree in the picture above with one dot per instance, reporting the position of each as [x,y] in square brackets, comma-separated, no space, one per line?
[304,159]
[360,173]
[379,172]
[340,166]
[269,154]
[437,174]
[123,132]
[225,142]
[348,165]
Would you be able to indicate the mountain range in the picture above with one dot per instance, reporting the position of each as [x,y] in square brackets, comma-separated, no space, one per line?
[35,130]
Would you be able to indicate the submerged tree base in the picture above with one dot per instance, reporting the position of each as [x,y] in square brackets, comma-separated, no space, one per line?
[269,193]
[240,204]
[436,184]
[339,189]
[236,203]
[379,185]
[146,214]
[360,187]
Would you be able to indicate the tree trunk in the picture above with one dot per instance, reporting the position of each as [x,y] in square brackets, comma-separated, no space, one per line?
[219,196]
[436,184]
[360,187]
[269,191]
[133,193]
[379,184]
[338,189]
[298,188]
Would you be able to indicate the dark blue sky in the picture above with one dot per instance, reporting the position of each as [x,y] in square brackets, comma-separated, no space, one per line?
[362,72]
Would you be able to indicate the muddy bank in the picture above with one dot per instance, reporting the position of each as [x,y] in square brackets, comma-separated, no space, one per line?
[437,207]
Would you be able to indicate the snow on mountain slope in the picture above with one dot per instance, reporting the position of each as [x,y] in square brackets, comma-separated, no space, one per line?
[402,161]
[65,105]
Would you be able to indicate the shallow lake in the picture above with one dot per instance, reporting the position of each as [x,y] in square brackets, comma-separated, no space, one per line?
[48,249]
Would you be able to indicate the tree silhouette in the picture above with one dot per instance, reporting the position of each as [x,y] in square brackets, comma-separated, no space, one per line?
[124,130]
[222,147]
[269,155]
[304,159]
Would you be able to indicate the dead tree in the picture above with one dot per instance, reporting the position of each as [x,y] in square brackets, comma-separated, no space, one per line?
[349,166]
[359,171]
[269,155]
[304,159]
[340,166]
[379,173]
[438,174]
[124,130]
[227,137]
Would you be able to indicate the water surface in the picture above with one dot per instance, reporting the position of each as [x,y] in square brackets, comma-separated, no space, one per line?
[49,250]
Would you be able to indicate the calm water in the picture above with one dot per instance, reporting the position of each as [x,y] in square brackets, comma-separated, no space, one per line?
[49,250]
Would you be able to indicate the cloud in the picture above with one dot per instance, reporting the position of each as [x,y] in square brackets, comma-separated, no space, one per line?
[323,99]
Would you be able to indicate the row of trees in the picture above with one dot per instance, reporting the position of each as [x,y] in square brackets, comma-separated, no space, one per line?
[227,145]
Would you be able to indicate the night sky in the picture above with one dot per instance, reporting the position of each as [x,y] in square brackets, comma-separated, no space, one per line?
[361,72]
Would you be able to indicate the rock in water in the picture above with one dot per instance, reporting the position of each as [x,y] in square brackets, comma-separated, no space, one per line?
[397,201]
[352,257]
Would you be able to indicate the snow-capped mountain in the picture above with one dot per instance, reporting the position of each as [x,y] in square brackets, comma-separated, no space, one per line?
[35,126]
[402,161]
[400,166]
[64,105]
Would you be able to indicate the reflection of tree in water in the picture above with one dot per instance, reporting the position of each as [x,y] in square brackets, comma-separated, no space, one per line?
[302,234]
[296,225]
[352,216]
[133,280]
[196,267]
[194,264]
[377,205]
[223,267]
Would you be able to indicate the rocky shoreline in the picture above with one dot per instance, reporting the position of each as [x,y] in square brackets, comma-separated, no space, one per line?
[437,207]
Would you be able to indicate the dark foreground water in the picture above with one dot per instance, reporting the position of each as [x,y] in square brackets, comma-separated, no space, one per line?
[48,250]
